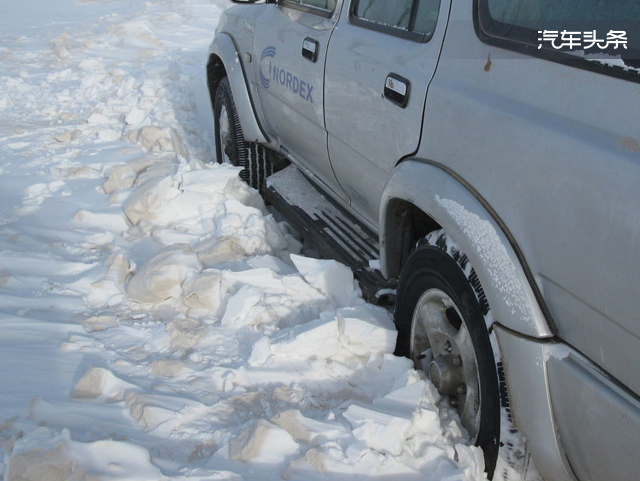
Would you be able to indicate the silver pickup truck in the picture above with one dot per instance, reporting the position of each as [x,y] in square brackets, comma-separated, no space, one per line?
[477,163]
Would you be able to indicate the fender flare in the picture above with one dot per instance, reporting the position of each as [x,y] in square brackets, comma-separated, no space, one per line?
[225,49]
[445,199]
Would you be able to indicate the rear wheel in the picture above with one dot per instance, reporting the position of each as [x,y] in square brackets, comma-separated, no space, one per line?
[444,326]
[231,148]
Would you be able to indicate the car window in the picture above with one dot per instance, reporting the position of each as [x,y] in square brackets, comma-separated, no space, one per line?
[427,17]
[393,13]
[586,28]
[415,19]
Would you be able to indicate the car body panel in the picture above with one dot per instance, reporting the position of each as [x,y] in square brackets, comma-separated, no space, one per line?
[530,400]
[358,63]
[557,164]
[476,232]
[290,86]
[573,378]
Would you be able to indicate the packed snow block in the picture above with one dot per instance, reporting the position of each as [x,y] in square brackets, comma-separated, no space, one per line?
[385,425]
[203,294]
[135,117]
[331,278]
[99,323]
[262,442]
[99,383]
[121,177]
[151,411]
[162,276]
[239,306]
[367,330]
[214,181]
[155,139]
[108,222]
[42,455]
[307,430]
[167,367]
[314,340]
[110,288]
[68,136]
[265,279]
[219,250]
[472,459]
[150,200]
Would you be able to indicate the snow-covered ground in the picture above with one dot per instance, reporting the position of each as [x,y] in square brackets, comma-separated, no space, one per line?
[155,321]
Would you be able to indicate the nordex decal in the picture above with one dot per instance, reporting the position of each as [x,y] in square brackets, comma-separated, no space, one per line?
[271,72]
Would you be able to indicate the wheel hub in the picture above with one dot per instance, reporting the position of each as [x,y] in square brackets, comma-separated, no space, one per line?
[442,346]
[446,373]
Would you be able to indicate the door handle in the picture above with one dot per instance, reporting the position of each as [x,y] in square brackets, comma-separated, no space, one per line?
[396,90]
[310,48]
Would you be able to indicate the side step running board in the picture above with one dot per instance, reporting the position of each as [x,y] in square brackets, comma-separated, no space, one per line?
[333,232]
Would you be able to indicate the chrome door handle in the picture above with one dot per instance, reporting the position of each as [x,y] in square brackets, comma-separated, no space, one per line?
[396,89]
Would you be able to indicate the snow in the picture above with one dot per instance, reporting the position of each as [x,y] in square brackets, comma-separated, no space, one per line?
[157,321]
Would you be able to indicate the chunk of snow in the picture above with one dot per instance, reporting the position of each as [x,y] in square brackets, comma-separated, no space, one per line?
[385,424]
[100,383]
[263,442]
[162,276]
[45,455]
[331,278]
[121,177]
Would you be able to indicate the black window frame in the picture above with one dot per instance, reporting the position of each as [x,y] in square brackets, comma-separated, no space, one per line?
[391,30]
[322,12]
[524,41]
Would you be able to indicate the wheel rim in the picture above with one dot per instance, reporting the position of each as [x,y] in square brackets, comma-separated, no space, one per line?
[224,134]
[441,345]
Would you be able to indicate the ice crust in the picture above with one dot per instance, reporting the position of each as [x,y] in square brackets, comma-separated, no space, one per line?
[158,321]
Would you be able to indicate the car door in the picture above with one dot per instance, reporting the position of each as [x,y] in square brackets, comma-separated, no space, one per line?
[381,59]
[291,41]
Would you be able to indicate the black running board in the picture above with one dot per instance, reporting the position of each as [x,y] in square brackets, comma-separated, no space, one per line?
[333,232]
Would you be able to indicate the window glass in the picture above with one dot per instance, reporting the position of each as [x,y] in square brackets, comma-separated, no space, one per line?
[393,13]
[534,14]
[414,19]
[427,16]
[592,29]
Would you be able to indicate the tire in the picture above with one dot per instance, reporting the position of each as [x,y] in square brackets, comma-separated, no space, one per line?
[444,326]
[231,148]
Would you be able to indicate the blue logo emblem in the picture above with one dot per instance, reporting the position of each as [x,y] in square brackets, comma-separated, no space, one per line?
[265,64]
[269,71]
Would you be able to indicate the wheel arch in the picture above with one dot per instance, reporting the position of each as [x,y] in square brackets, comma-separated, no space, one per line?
[422,196]
[224,60]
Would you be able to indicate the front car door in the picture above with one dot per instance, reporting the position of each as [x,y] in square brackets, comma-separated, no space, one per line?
[291,42]
[381,59]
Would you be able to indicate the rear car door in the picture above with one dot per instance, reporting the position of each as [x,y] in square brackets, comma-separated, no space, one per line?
[291,42]
[381,59]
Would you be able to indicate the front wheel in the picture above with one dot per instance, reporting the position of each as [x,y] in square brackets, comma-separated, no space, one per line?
[231,148]
[444,326]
